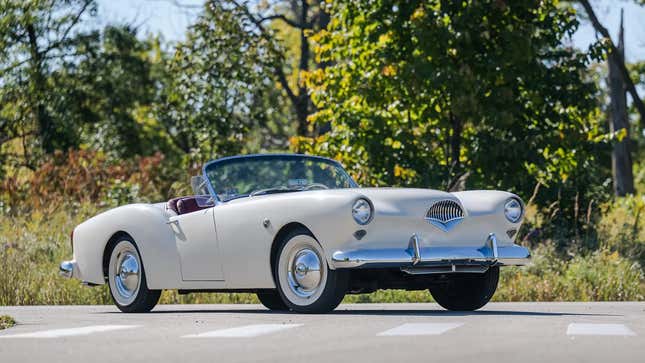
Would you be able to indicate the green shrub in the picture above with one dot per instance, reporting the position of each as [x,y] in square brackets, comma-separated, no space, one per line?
[599,276]
[622,227]
[6,322]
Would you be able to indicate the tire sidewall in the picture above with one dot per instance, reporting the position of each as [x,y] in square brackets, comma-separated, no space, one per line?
[333,284]
[145,299]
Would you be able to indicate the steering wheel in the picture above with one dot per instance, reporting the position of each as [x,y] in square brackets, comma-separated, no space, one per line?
[315,186]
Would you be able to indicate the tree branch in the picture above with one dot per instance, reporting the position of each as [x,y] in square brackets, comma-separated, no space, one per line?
[75,21]
[279,72]
[286,20]
[618,59]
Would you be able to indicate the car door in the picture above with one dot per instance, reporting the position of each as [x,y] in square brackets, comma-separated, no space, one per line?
[197,245]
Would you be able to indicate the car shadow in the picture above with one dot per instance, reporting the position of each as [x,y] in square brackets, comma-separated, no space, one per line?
[373,312]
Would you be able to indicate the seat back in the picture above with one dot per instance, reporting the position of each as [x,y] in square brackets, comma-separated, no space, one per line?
[189,204]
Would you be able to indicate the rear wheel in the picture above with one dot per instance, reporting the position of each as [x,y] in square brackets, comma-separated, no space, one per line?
[127,279]
[271,300]
[467,292]
[303,278]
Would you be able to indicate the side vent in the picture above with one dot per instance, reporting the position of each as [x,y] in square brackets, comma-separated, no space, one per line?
[445,214]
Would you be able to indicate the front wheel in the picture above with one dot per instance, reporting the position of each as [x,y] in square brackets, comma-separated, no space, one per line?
[467,292]
[303,278]
[271,300]
[127,279]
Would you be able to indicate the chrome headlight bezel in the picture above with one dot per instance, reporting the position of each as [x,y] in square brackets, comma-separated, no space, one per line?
[513,210]
[359,208]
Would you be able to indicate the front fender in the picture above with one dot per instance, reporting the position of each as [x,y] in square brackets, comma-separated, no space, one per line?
[146,224]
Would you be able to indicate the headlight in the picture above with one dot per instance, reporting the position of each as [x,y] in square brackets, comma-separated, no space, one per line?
[513,210]
[362,211]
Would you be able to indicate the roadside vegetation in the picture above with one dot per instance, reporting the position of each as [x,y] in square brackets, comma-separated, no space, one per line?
[6,322]
[448,95]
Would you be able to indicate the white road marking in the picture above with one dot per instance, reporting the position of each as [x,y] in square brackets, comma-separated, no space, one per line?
[61,333]
[420,329]
[247,331]
[598,329]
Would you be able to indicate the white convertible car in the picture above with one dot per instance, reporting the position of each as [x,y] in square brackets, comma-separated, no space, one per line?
[299,232]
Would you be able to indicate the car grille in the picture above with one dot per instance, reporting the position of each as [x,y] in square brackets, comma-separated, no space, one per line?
[445,211]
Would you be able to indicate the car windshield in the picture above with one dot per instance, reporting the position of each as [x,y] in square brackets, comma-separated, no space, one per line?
[267,174]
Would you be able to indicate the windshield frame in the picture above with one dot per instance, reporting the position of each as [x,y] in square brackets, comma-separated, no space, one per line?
[229,159]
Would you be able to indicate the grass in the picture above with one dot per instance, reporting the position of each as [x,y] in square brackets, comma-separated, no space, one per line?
[6,322]
[32,246]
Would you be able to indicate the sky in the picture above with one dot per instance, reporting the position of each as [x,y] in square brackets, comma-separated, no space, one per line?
[164,17]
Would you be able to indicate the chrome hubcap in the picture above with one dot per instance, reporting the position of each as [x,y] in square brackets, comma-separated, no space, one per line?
[125,273]
[304,272]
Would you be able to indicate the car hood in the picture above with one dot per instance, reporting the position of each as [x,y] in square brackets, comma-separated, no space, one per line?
[399,201]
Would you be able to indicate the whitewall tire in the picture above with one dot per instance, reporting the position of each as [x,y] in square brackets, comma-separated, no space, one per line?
[127,279]
[303,278]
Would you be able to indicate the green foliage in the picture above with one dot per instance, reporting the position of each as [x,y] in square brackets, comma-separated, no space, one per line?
[622,228]
[6,322]
[441,94]
[37,37]
[215,94]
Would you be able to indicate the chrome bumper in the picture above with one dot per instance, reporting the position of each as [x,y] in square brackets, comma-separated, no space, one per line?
[68,269]
[417,256]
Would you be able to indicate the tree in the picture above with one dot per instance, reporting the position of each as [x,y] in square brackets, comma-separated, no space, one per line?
[432,93]
[617,58]
[214,94]
[37,36]
[275,22]
[120,76]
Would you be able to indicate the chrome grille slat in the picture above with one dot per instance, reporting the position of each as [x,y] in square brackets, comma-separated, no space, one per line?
[445,213]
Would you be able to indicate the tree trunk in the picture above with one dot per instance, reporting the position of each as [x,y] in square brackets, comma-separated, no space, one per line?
[39,113]
[621,159]
[303,101]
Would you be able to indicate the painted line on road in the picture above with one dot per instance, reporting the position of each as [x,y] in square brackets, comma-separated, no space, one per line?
[410,329]
[599,329]
[247,331]
[61,333]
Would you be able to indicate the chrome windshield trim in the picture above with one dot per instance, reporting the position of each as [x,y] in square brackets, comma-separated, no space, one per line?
[211,188]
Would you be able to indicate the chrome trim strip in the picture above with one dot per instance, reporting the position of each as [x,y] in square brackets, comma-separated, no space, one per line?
[442,269]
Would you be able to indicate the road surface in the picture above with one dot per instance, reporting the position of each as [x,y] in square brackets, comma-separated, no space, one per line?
[501,332]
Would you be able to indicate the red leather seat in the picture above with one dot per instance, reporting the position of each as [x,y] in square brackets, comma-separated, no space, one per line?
[189,204]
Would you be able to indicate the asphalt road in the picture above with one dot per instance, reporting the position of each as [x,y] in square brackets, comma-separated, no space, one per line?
[501,332]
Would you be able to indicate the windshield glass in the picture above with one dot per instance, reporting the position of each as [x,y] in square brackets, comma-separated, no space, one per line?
[268,174]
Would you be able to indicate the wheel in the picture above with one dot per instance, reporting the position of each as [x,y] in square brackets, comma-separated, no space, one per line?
[272,300]
[303,278]
[127,279]
[467,293]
